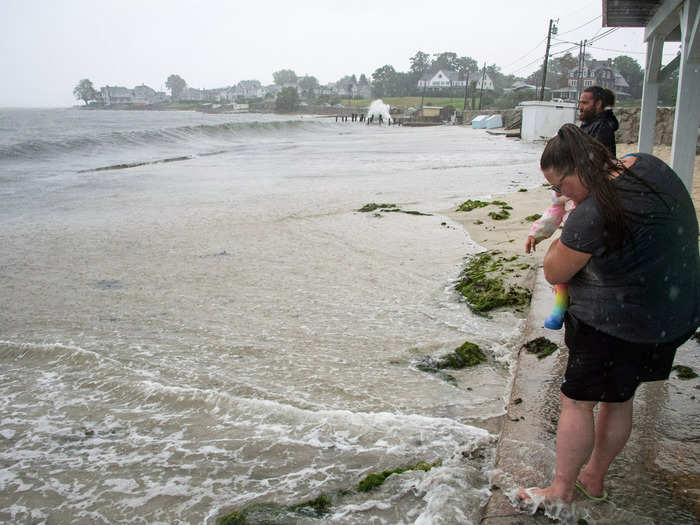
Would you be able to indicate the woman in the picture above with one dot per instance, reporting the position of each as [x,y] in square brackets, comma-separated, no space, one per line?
[629,251]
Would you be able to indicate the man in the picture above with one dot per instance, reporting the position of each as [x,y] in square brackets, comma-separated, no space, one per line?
[596,121]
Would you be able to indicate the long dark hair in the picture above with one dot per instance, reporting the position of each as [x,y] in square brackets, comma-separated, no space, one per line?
[572,152]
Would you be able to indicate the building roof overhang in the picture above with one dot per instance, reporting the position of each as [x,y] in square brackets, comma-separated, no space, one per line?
[657,16]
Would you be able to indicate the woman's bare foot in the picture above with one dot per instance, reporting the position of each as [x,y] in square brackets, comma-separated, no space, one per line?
[592,484]
[538,496]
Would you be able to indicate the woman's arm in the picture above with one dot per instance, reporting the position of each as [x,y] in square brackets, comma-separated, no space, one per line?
[562,263]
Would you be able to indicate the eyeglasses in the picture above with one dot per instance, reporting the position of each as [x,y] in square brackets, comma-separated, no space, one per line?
[557,187]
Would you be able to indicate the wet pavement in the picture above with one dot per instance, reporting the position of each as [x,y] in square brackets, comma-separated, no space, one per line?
[656,478]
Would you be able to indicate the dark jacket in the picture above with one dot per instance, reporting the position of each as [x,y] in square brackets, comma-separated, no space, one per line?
[603,127]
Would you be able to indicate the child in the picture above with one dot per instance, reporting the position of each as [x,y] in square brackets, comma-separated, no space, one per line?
[543,228]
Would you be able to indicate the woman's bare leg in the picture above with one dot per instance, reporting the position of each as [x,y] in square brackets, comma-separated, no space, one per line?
[575,441]
[612,430]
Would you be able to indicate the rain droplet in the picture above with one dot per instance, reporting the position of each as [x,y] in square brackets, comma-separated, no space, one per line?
[673,292]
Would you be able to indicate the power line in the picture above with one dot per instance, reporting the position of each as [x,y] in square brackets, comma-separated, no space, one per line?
[526,54]
[582,25]
[632,52]
[603,35]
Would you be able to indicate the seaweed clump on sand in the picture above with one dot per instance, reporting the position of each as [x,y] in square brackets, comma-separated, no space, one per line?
[533,218]
[504,213]
[387,208]
[374,206]
[372,481]
[275,514]
[468,354]
[470,205]
[684,372]
[541,347]
[483,285]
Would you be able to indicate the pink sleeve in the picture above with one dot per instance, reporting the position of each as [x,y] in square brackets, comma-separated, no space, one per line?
[546,225]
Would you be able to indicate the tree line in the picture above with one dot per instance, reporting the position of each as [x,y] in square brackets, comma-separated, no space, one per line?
[386,81]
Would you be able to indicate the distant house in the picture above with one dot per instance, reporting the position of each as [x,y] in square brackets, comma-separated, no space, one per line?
[143,94]
[327,90]
[521,86]
[445,78]
[246,89]
[594,73]
[204,95]
[112,95]
[361,90]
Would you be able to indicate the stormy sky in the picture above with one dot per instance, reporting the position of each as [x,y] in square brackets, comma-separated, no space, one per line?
[47,46]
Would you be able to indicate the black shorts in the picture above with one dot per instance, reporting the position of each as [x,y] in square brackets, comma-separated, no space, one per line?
[605,368]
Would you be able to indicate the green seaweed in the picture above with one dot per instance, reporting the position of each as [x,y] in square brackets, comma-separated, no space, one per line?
[276,514]
[386,208]
[522,189]
[533,218]
[374,206]
[319,505]
[478,221]
[483,292]
[542,347]
[234,518]
[685,372]
[414,212]
[470,205]
[468,354]
[499,215]
[373,481]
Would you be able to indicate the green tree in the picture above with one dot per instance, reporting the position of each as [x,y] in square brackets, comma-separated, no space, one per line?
[363,79]
[420,63]
[176,85]
[84,91]
[287,100]
[308,84]
[445,60]
[557,71]
[668,90]
[466,64]
[284,76]
[633,73]
[384,81]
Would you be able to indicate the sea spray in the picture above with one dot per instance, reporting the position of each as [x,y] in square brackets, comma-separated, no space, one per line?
[378,109]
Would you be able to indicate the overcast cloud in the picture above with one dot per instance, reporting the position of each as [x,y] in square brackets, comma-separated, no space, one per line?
[46,47]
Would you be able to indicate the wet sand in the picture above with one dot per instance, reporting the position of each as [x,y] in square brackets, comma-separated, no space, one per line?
[656,478]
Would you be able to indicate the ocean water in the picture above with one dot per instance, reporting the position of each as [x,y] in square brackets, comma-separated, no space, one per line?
[181,339]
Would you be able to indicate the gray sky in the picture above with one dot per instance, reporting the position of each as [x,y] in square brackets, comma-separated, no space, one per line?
[47,46]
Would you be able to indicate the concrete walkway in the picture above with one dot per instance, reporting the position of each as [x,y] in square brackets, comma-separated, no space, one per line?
[656,479]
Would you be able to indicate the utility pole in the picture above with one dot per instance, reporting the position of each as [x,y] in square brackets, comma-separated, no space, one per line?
[466,88]
[552,29]
[483,76]
[581,67]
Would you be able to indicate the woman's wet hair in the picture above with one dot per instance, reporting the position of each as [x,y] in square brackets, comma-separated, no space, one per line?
[604,95]
[571,152]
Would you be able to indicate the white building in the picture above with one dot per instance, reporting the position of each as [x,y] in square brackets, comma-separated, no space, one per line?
[445,78]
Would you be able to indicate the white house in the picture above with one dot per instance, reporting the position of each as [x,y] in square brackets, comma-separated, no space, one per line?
[445,78]
[116,95]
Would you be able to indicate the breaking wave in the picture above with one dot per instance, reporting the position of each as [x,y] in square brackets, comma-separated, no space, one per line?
[89,143]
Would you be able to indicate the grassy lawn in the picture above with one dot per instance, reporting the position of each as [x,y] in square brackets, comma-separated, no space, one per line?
[406,102]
